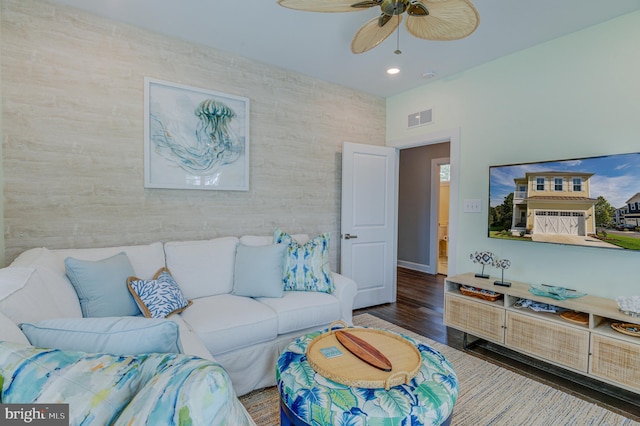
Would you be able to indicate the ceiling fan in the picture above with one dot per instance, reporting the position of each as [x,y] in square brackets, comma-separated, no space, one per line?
[427,19]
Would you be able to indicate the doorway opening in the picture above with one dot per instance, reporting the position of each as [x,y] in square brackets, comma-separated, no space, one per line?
[423,207]
[444,177]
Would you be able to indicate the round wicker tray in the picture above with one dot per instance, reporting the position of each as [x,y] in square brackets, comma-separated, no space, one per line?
[626,328]
[491,296]
[350,370]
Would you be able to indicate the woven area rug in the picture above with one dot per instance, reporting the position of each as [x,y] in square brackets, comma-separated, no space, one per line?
[489,394]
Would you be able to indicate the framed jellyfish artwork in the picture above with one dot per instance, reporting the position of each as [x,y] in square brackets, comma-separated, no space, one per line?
[195,138]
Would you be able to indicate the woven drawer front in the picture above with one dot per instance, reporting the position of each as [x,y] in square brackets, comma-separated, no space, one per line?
[549,340]
[616,360]
[476,318]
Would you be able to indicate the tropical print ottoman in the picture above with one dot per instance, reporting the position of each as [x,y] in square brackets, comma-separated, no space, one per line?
[309,398]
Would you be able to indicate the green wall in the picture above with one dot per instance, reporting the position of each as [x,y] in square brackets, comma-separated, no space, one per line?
[575,96]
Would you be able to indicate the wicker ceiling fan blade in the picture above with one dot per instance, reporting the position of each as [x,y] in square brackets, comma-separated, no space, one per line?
[447,20]
[327,5]
[372,33]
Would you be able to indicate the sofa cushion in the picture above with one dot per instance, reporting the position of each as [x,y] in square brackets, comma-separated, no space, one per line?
[299,310]
[265,240]
[227,322]
[10,332]
[46,294]
[307,265]
[13,279]
[101,286]
[114,335]
[202,268]
[145,259]
[258,270]
[158,297]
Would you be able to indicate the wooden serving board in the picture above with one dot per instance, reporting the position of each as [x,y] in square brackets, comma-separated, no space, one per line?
[363,350]
[348,369]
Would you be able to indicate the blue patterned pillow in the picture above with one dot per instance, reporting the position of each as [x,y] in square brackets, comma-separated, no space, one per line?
[306,267]
[159,297]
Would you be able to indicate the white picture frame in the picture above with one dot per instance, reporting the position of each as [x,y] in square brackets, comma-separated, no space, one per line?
[194,138]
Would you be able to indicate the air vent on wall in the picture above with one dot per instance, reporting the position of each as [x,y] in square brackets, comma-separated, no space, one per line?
[420,118]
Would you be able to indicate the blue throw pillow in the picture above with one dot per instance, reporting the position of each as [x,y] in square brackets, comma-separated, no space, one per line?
[258,270]
[159,297]
[101,286]
[113,335]
[306,266]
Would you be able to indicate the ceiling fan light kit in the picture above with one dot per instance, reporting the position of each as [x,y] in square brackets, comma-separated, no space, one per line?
[427,19]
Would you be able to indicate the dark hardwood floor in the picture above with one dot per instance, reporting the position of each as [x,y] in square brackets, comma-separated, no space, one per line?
[419,308]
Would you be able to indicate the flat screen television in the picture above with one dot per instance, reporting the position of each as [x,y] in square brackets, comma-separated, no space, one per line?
[593,201]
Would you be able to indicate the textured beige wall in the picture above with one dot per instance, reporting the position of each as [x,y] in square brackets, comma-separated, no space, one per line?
[2,263]
[72,87]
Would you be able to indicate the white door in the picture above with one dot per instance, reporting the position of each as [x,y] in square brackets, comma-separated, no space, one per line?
[368,222]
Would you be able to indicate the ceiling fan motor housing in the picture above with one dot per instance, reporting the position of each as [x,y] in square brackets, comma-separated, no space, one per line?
[394,7]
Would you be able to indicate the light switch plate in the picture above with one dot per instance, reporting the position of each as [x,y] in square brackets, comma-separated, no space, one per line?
[472,205]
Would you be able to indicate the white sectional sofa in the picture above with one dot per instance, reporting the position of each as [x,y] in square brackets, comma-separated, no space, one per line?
[243,334]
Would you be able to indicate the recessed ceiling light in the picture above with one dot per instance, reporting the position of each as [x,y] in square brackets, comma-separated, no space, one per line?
[392,71]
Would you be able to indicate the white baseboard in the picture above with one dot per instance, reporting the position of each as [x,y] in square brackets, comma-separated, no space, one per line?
[416,267]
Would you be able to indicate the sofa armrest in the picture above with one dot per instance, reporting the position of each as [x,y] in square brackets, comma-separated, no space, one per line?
[345,291]
[10,332]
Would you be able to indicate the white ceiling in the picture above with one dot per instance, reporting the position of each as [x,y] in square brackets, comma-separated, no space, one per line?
[318,44]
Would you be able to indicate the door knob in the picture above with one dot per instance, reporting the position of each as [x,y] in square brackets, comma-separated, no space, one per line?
[349,236]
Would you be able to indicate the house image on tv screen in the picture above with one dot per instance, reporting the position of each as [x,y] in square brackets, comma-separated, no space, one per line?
[629,214]
[553,203]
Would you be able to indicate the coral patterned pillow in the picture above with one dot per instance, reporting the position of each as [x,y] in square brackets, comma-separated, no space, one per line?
[159,297]
[306,266]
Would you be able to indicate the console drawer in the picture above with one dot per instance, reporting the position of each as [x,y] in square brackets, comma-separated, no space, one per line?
[559,344]
[476,318]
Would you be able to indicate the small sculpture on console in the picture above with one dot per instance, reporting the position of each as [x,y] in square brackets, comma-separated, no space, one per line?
[483,258]
[502,264]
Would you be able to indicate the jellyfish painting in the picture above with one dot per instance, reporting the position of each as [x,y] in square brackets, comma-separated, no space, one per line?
[199,151]
[214,130]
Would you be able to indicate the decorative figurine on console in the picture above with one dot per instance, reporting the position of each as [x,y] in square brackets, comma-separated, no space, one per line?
[502,264]
[483,258]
